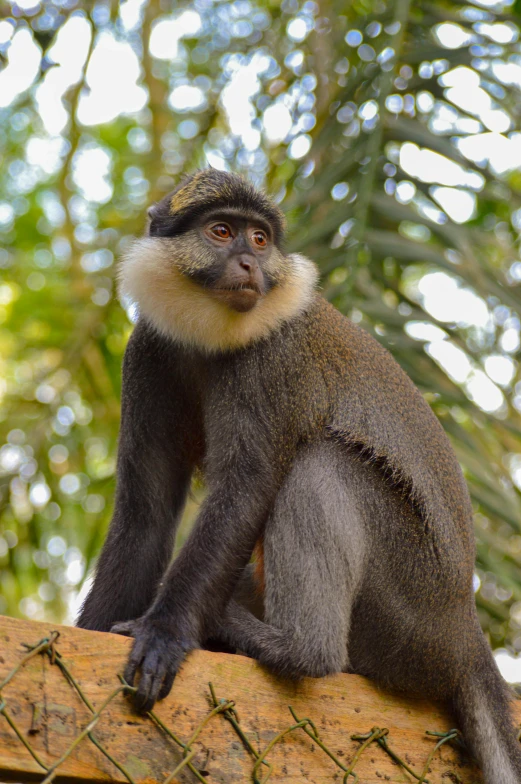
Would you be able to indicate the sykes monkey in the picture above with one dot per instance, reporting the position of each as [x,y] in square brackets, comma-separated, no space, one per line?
[318,452]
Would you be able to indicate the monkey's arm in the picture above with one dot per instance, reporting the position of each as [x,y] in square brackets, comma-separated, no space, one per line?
[153,476]
[200,581]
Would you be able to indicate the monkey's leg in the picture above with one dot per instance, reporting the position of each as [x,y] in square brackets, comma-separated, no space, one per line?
[153,476]
[314,552]
[414,626]
[248,593]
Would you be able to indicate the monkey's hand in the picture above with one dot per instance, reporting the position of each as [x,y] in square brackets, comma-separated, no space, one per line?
[158,652]
[125,628]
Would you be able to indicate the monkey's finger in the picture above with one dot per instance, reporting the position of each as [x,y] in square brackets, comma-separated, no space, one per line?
[152,694]
[142,696]
[153,668]
[126,628]
[137,655]
[148,689]
[168,682]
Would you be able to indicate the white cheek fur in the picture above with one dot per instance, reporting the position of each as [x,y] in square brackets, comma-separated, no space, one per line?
[183,311]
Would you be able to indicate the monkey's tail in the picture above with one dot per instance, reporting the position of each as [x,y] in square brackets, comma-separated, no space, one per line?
[482,706]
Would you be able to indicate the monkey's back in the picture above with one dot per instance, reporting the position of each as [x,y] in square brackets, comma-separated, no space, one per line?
[376,409]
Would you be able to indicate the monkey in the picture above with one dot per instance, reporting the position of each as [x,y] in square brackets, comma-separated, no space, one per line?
[319,454]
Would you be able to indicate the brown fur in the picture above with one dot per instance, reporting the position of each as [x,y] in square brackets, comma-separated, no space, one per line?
[258,570]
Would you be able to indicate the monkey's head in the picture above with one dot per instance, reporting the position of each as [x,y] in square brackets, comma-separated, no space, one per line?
[211,271]
[227,236]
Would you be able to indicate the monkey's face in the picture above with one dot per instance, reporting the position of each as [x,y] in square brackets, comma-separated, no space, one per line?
[211,273]
[236,254]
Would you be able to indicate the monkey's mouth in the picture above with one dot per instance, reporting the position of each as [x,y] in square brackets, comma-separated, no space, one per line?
[240,297]
[241,287]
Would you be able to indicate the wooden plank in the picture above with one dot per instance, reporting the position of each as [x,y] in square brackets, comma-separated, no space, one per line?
[50,715]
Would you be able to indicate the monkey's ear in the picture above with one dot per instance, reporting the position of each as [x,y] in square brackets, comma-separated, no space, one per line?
[151,214]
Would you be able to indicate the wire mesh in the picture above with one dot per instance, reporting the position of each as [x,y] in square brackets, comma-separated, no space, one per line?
[261,767]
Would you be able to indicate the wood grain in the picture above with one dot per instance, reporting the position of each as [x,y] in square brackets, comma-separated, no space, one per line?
[50,715]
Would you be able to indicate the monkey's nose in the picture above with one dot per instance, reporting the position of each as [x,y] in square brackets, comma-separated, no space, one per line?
[247,263]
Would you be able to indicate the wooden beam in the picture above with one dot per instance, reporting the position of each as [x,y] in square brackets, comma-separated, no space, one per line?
[49,715]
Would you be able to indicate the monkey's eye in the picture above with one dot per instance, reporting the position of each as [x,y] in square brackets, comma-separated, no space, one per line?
[220,231]
[259,238]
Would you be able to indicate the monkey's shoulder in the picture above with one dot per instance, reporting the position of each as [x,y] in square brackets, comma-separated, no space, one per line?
[367,373]
[352,353]
[155,365]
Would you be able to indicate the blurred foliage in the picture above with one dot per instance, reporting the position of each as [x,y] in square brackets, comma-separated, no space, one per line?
[363,87]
